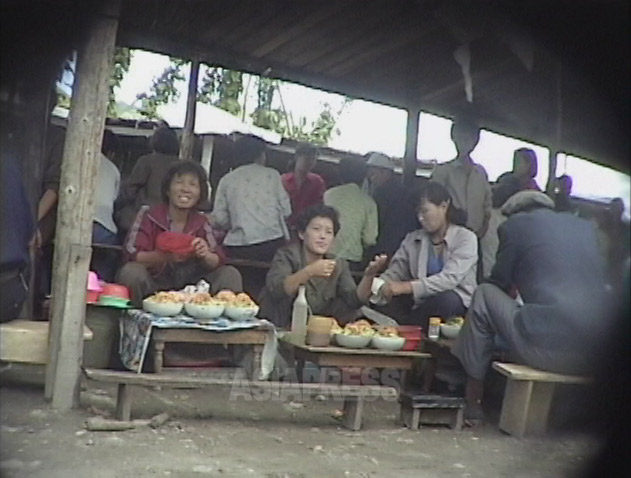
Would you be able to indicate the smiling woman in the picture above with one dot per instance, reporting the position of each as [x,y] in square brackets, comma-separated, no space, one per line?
[330,288]
[150,268]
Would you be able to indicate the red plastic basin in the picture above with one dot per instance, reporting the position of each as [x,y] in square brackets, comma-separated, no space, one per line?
[411,344]
[410,331]
[115,290]
[92,297]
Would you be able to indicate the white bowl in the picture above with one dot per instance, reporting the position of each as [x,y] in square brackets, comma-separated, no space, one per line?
[204,311]
[241,313]
[352,341]
[164,309]
[450,331]
[388,343]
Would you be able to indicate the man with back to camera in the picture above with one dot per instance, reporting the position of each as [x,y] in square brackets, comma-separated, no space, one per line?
[561,324]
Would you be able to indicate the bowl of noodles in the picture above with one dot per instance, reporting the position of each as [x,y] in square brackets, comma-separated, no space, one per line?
[165,304]
[202,306]
[387,338]
[356,335]
[238,306]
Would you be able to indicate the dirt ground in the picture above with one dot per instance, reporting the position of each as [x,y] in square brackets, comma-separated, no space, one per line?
[211,436]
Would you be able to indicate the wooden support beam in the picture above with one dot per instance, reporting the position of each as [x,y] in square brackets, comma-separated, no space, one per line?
[79,168]
[556,149]
[188,134]
[411,146]
[477,79]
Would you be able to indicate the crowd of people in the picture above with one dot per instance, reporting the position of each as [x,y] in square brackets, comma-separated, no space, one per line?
[459,246]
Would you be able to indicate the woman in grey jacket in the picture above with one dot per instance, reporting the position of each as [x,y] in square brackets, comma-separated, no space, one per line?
[433,273]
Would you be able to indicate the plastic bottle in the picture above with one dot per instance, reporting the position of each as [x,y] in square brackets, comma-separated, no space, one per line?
[433,331]
[299,315]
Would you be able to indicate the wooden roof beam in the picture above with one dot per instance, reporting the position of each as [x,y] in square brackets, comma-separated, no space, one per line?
[307,22]
[226,58]
[372,54]
[375,15]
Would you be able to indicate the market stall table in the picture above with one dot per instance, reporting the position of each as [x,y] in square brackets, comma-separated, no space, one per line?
[138,327]
[365,358]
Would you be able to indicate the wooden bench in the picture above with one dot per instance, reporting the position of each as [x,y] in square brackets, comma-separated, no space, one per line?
[528,397]
[26,341]
[353,395]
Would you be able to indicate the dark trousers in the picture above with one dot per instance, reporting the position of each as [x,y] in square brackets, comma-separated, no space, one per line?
[104,261]
[445,305]
[14,293]
[263,251]
[141,283]
[492,314]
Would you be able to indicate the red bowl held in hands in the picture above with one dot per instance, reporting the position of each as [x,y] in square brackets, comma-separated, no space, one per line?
[115,290]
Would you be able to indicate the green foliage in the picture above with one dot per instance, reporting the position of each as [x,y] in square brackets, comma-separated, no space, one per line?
[319,132]
[222,88]
[264,116]
[122,59]
[163,90]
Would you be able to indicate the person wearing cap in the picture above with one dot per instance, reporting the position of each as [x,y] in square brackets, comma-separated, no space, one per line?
[391,196]
[467,181]
[304,187]
[563,317]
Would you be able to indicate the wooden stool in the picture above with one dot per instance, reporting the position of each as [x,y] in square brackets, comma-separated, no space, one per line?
[419,408]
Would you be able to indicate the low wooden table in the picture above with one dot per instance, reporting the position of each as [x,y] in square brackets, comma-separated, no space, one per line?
[332,356]
[254,337]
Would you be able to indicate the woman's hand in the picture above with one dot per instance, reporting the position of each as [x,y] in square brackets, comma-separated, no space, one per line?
[376,265]
[392,289]
[201,248]
[321,268]
[202,251]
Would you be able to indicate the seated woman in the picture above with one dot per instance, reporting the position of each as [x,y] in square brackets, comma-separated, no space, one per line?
[330,288]
[434,269]
[149,269]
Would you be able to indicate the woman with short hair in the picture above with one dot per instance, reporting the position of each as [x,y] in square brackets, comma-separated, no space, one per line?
[148,268]
[330,288]
[434,270]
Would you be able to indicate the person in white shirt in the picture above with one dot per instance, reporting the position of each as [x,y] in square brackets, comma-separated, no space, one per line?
[104,230]
[252,205]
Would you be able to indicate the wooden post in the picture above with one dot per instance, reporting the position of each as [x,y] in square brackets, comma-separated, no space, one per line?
[79,169]
[556,149]
[411,145]
[188,135]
